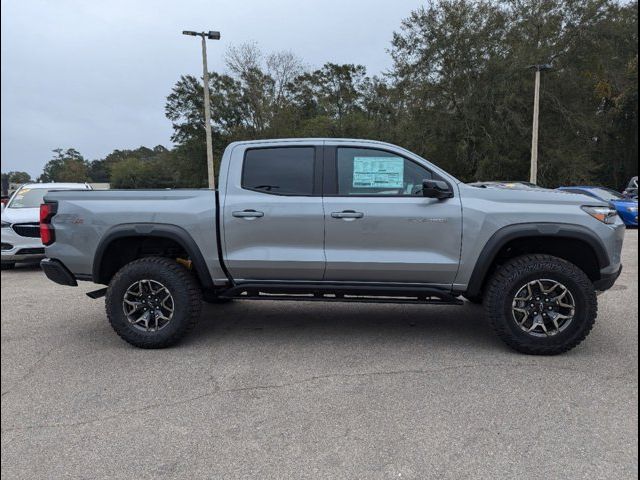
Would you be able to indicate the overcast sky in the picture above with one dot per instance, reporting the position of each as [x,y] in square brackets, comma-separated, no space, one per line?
[94,75]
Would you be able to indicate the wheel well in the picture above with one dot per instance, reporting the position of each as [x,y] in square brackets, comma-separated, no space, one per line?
[123,250]
[575,251]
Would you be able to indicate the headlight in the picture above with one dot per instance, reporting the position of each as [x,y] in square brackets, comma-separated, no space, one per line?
[606,215]
[632,209]
[5,224]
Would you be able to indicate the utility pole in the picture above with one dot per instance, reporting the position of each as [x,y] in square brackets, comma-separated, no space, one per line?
[536,114]
[207,107]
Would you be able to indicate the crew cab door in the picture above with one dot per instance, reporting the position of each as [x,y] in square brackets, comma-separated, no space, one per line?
[378,225]
[273,220]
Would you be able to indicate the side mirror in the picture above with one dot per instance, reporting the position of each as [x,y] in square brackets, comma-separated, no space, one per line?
[436,189]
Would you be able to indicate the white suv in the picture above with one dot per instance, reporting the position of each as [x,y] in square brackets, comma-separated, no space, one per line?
[20,222]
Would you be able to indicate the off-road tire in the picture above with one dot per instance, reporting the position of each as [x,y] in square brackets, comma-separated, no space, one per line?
[510,277]
[182,285]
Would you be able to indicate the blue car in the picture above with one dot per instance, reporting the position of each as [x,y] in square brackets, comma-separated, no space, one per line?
[627,208]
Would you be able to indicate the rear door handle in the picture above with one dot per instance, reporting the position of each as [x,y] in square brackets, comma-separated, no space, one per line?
[347,214]
[248,214]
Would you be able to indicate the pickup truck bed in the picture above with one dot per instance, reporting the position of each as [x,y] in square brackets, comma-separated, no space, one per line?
[91,229]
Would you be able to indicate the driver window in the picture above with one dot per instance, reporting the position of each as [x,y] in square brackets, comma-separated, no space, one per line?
[366,171]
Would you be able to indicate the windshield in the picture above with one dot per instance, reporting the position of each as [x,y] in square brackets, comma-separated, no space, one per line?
[28,198]
[606,194]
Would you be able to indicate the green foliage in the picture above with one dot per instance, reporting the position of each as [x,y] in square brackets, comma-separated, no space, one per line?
[129,173]
[65,166]
[462,66]
[142,168]
[17,177]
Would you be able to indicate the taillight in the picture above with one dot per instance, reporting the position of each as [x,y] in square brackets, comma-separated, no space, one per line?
[47,211]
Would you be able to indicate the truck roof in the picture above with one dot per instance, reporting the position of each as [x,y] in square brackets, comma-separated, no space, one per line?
[53,185]
[312,140]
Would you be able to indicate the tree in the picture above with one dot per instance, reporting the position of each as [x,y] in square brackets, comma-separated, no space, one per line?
[461,66]
[98,171]
[65,166]
[17,177]
[73,171]
[145,168]
[129,173]
[335,93]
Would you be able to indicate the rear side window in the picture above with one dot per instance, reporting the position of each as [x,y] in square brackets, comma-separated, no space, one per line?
[279,171]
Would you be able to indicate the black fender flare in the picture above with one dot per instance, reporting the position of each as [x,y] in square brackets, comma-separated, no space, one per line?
[160,230]
[527,230]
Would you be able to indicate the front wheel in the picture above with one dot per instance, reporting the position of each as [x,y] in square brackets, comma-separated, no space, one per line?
[153,302]
[541,305]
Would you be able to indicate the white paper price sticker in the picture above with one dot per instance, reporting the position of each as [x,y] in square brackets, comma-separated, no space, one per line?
[378,172]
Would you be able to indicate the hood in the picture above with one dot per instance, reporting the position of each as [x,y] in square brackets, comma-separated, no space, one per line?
[533,195]
[21,215]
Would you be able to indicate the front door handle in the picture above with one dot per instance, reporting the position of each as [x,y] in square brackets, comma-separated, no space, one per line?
[248,214]
[347,214]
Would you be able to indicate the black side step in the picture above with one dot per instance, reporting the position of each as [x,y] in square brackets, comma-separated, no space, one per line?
[322,292]
[97,293]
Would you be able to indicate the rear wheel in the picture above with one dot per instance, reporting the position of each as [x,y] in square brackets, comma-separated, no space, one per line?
[153,302]
[541,305]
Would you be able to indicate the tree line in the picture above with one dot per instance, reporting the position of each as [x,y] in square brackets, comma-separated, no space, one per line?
[459,92]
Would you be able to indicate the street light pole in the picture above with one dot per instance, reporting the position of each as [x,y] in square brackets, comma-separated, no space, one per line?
[207,107]
[533,177]
[207,117]
[534,135]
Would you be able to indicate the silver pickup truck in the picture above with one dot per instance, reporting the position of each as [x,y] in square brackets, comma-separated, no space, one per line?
[337,220]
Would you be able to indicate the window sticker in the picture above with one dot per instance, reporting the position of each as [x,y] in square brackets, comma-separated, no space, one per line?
[378,172]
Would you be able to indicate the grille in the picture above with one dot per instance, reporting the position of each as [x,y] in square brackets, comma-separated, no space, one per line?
[6,246]
[30,251]
[27,229]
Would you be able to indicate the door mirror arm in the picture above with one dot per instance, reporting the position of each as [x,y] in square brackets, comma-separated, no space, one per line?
[436,189]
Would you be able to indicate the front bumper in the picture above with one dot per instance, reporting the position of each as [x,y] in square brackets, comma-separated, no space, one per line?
[607,280]
[16,248]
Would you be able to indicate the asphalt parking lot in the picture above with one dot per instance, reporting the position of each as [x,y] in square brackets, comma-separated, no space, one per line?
[307,390]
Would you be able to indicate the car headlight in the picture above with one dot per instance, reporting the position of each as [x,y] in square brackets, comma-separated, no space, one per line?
[5,224]
[606,215]
[632,209]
